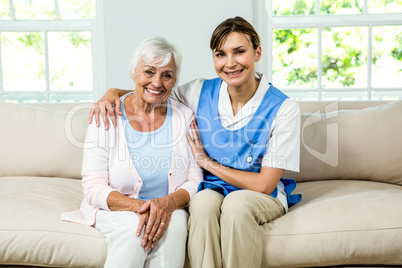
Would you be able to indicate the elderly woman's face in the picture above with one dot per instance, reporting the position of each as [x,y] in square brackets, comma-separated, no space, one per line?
[154,83]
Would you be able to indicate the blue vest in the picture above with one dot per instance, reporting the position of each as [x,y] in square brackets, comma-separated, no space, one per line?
[241,149]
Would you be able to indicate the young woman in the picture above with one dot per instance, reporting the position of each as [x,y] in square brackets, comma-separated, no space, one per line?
[245,136]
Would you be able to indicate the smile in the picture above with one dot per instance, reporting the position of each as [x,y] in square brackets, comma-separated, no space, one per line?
[234,74]
[156,92]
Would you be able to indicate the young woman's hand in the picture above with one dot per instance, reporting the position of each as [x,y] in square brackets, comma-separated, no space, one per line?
[109,104]
[200,155]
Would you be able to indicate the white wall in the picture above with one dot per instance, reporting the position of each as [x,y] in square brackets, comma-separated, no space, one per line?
[186,23]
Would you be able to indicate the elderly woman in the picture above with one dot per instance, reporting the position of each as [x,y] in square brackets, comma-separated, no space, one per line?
[138,176]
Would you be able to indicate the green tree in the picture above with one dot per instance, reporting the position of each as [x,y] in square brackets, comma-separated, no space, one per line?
[339,64]
[300,7]
[32,40]
[397,51]
[290,44]
[78,38]
[342,61]
[334,7]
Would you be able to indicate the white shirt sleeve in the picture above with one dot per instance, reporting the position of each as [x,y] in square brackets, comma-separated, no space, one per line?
[283,148]
[189,93]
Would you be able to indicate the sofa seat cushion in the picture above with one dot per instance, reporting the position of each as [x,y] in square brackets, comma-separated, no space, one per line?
[338,222]
[31,231]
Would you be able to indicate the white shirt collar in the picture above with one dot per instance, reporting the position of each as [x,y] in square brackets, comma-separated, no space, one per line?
[247,111]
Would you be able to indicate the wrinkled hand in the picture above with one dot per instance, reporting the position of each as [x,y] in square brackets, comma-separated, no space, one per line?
[143,221]
[160,211]
[106,106]
[200,155]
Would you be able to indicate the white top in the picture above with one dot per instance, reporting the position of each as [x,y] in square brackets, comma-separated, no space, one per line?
[283,148]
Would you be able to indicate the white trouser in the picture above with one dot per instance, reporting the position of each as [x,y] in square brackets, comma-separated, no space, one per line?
[124,247]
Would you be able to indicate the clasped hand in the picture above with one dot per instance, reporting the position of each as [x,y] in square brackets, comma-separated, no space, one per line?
[154,218]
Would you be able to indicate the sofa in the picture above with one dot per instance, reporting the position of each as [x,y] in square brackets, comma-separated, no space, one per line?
[350,178]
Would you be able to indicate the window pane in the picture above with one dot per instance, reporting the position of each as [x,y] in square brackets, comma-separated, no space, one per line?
[23,61]
[381,6]
[71,97]
[344,57]
[386,95]
[294,7]
[34,9]
[387,56]
[295,58]
[344,95]
[4,10]
[75,9]
[341,7]
[70,60]
[32,98]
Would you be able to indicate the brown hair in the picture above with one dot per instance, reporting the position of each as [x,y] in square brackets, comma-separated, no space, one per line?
[236,24]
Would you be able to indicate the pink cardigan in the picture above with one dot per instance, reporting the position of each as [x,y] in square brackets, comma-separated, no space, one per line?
[107,165]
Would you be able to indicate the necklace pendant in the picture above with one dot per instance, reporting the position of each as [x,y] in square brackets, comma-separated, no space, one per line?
[249,159]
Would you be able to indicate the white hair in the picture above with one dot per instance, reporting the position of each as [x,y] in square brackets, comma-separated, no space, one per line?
[156,49]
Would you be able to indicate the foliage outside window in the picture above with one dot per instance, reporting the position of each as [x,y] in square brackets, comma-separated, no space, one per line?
[45,50]
[337,49]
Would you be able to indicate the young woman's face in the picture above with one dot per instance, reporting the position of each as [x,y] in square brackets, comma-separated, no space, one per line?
[235,60]
[153,83]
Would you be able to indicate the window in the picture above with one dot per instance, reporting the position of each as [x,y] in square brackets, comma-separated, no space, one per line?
[335,49]
[46,50]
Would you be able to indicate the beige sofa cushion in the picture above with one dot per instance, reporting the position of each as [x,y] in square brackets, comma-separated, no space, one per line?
[41,142]
[31,231]
[338,222]
[352,144]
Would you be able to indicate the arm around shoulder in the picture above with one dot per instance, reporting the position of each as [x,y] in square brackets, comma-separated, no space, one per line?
[109,104]
[189,93]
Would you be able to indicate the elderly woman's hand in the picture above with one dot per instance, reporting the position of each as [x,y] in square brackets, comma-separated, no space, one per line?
[143,217]
[160,211]
[106,106]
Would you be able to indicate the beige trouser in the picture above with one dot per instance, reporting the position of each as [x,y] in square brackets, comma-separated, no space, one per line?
[226,231]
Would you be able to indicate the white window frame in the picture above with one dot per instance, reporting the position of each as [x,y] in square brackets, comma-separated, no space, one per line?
[266,23]
[52,25]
